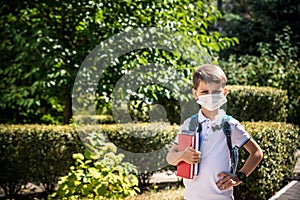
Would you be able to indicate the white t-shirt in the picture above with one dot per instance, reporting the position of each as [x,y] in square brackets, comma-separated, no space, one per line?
[215,158]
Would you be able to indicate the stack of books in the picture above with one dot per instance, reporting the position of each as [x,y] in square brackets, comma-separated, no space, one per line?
[184,169]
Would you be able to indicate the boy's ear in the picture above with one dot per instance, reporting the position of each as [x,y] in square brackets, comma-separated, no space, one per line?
[225,91]
[195,93]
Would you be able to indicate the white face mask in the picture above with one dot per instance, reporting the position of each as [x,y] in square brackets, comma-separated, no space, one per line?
[212,101]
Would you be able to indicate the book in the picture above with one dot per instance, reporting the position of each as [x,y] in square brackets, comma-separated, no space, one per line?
[197,147]
[184,169]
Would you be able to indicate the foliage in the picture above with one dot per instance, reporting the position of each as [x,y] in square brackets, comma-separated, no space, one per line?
[44,44]
[40,154]
[93,119]
[250,103]
[145,144]
[24,160]
[100,175]
[279,142]
[258,21]
[35,153]
[278,68]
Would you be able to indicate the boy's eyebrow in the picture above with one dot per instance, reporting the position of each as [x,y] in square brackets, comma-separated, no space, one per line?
[204,90]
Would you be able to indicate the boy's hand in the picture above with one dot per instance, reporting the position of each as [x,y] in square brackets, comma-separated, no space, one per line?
[191,156]
[226,181]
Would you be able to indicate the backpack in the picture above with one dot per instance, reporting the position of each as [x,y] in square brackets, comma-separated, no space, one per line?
[194,126]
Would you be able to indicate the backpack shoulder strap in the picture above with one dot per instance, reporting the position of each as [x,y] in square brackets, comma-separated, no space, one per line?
[226,125]
[193,125]
[233,150]
[227,130]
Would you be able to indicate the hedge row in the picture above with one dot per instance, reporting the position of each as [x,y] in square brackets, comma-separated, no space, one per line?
[41,154]
[250,103]
[36,154]
[279,142]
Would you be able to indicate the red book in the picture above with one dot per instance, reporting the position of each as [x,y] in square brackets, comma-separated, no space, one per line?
[184,169]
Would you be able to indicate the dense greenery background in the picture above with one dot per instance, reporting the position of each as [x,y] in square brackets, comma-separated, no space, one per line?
[44,43]
[255,21]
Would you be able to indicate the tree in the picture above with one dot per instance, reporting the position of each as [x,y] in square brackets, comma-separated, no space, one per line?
[256,21]
[45,42]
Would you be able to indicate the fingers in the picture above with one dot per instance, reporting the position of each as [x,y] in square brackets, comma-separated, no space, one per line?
[222,174]
[191,156]
[190,149]
[196,156]
[226,181]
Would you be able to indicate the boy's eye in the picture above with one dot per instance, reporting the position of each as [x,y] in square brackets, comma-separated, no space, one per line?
[213,92]
[217,92]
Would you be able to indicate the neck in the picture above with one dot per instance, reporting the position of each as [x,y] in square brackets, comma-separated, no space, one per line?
[210,114]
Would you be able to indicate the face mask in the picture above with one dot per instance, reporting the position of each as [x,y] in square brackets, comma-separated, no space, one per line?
[212,101]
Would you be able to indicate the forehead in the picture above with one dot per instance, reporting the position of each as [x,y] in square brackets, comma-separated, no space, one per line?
[209,86]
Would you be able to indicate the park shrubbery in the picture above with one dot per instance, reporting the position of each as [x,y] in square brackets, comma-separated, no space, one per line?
[42,154]
[100,174]
[278,68]
[251,103]
[279,142]
[35,153]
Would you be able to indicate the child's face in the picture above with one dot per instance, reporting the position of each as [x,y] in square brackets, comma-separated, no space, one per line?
[208,88]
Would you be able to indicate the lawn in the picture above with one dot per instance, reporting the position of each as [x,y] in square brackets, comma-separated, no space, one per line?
[167,193]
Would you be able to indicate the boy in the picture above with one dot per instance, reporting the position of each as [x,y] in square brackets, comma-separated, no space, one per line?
[214,180]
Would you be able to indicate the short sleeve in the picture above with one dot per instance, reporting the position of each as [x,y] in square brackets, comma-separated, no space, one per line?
[239,135]
[183,127]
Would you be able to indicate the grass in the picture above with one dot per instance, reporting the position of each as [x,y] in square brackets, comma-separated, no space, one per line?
[166,191]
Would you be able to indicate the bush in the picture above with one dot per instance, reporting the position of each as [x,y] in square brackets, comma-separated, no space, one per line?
[43,153]
[250,103]
[279,142]
[145,144]
[279,68]
[100,174]
[94,119]
[35,153]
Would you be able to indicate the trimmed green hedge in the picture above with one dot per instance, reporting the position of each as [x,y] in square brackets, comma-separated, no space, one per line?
[251,103]
[41,154]
[279,142]
[35,153]
[94,119]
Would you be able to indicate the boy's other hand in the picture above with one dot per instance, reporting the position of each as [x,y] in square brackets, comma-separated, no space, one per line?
[226,181]
[191,156]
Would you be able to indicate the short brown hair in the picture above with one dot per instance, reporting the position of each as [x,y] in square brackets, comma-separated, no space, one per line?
[209,73]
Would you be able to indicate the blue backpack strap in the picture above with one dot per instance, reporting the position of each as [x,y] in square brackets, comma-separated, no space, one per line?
[233,150]
[193,125]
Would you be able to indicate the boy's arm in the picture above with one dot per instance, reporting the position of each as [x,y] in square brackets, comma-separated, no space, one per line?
[254,158]
[189,155]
